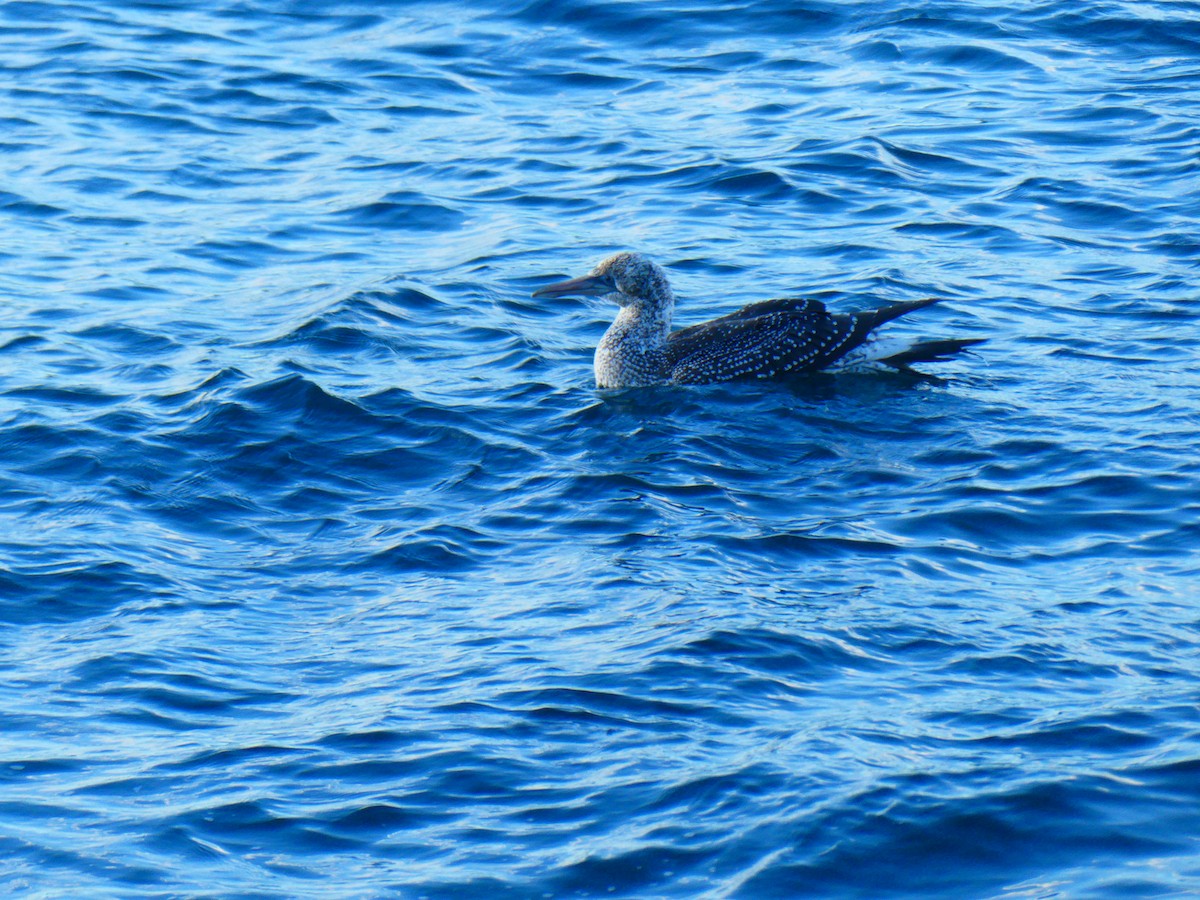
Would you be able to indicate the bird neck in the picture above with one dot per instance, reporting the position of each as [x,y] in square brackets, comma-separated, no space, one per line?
[632,351]
[651,322]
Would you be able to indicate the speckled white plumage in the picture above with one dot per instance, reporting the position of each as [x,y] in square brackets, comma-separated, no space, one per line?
[633,350]
[768,340]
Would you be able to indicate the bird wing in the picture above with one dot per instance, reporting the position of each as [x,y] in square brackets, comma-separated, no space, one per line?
[762,340]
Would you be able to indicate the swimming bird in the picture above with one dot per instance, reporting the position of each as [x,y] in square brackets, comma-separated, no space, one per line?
[773,339]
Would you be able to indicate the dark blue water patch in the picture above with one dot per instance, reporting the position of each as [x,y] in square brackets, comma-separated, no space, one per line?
[69,589]
[99,185]
[32,863]
[629,873]
[1183,246]
[1116,34]
[20,770]
[794,548]
[186,701]
[324,336]
[993,236]
[177,36]
[778,654]
[241,254]
[1032,662]
[401,211]
[107,222]
[594,708]
[304,85]
[934,162]
[157,197]
[718,177]
[976,57]
[421,111]
[512,197]
[575,80]
[392,309]
[140,76]
[39,449]
[129,339]
[977,843]
[440,549]
[152,122]
[877,50]
[1099,215]
[17,205]
[294,118]
[759,185]
[409,86]
[58,398]
[852,166]
[1065,199]
[233,96]
[1114,113]
[242,825]
[201,176]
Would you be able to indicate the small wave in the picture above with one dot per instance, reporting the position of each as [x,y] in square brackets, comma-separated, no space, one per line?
[68,589]
[402,211]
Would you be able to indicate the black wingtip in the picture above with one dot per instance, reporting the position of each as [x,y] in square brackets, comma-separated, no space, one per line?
[896,310]
[931,351]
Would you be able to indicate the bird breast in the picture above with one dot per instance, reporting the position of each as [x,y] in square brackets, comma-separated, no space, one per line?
[631,353]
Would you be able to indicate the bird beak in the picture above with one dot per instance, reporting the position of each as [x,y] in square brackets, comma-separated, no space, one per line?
[587,286]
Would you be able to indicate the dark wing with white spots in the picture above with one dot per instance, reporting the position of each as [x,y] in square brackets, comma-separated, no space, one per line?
[772,339]
[763,340]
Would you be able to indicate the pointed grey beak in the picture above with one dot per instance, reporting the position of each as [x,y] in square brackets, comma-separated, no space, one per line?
[587,286]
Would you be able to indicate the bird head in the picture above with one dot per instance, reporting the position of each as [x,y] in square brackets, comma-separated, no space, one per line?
[629,279]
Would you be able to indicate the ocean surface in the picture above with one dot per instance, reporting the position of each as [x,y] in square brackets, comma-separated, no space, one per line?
[326,571]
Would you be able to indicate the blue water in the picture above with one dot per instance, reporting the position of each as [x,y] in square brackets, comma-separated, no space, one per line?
[326,572]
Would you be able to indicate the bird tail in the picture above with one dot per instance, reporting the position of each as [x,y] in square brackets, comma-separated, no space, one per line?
[928,351]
